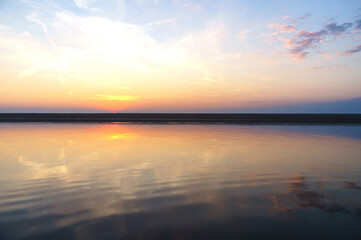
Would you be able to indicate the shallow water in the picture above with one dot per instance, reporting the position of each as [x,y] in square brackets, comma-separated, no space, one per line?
[114,181]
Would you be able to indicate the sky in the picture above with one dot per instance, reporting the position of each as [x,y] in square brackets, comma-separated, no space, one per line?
[177,55]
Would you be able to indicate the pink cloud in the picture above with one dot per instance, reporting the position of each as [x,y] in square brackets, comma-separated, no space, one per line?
[282,28]
[300,45]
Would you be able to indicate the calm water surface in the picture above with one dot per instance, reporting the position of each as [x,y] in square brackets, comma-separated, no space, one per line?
[115,181]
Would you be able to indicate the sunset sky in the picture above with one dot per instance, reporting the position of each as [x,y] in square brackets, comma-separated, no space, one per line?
[177,55]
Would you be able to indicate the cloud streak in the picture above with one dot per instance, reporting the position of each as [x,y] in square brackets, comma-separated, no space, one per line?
[352,51]
[335,66]
[282,28]
[85,4]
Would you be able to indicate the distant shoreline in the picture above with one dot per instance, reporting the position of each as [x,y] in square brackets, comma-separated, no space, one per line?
[200,118]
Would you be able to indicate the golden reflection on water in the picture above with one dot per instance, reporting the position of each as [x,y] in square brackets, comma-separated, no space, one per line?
[90,171]
[37,151]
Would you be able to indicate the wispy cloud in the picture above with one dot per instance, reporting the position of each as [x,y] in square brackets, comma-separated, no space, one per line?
[294,20]
[307,15]
[85,4]
[33,17]
[334,66]
[128,45]
[352,51]
[282,28]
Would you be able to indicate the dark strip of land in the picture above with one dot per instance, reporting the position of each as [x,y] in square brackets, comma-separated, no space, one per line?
[184,118]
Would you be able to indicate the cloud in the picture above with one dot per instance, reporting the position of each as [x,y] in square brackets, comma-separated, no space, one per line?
[335,66]
[300,44]
[336,30]
[84,3]
[33,17]
[303,41]
[294,20]
[304,16]
[282,28]
[111,54]
[112,9]
[96,39]
[352,51]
